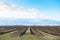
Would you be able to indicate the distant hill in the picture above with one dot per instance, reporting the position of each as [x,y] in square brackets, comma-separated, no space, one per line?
[29,22]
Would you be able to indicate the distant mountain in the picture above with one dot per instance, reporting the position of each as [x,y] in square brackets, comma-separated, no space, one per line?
[28,22]
[48,22]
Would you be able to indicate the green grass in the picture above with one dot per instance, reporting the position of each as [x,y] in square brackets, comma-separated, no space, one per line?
[29,36]
[45,36]
[8,36]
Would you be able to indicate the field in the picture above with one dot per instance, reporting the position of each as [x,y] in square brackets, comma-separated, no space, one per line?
[30,33]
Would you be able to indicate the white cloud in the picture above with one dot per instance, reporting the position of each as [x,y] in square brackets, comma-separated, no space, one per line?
[13,12]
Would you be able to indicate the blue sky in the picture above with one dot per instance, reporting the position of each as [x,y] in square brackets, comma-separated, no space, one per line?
[47,6]
[40,4]
[32,11]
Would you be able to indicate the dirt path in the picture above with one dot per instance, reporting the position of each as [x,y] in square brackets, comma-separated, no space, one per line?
[46,36]
[29,36]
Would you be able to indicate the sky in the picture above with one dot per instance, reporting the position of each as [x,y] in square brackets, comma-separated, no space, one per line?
[29,12]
